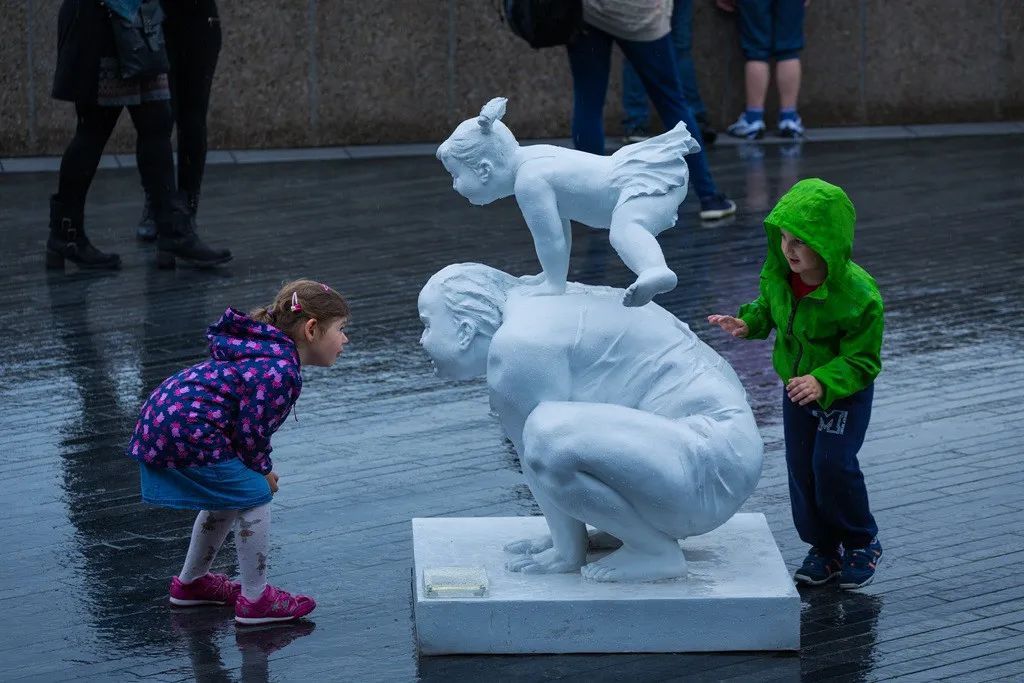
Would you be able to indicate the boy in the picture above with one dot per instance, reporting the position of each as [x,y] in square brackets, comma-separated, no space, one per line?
[828,316]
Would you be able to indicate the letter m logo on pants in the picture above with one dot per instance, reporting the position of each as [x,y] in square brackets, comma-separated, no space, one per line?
[831,421]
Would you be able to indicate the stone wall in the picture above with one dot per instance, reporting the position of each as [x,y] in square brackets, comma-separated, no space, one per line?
[297,73]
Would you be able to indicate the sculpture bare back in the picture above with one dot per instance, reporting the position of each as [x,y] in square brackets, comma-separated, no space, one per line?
[623,419]
[634,194]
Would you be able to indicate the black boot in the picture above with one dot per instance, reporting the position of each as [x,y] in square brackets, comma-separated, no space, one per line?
[146,229]
[68,241]
[177,239]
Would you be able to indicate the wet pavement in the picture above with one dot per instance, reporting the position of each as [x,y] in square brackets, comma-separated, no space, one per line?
[379,440]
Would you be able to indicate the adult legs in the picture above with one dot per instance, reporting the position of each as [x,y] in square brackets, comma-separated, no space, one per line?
[82,156]
[589,62]
[634,101]
[624,471]
[195,42]
[655,64]
[67,238]
[682,39]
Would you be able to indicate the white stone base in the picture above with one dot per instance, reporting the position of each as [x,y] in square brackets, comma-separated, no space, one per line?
[737,595]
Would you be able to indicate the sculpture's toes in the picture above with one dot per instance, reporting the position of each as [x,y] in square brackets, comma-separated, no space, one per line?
[626,565]
[518,564]
[528,546]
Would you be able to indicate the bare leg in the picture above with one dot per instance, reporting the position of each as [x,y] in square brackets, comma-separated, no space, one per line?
[757,75]
[787,79]
[632,233]
[569,537]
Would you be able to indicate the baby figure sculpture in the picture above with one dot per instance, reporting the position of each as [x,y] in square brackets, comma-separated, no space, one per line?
[622,418]
[634,194]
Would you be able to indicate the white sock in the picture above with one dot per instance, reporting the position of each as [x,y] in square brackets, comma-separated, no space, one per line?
[252,541]
[208,534]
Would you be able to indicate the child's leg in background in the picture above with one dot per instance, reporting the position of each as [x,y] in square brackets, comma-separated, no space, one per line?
[842,497]
[253,544]
[208,534]
[800,427]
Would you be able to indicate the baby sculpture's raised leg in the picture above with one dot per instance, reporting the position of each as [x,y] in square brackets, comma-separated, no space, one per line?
[632,234]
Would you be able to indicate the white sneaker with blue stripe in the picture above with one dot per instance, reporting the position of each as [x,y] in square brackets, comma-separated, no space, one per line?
[745,129]
[791,128]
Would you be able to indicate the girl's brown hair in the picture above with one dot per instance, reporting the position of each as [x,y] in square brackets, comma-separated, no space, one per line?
[299,301]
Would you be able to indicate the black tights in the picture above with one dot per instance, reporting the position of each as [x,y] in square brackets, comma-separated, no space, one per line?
[193,35]
[152,122]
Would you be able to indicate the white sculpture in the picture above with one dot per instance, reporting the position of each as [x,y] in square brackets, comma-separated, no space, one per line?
[634,194]
[623,419]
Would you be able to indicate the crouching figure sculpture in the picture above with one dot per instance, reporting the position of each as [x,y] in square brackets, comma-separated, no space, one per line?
[623,419]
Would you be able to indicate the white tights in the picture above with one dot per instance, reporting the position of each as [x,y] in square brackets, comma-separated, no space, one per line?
[252,541]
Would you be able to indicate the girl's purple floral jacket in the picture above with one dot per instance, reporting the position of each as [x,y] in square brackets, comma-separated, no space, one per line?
[225,407]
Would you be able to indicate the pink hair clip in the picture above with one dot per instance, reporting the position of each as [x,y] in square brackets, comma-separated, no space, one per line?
[326,288]
[295,303]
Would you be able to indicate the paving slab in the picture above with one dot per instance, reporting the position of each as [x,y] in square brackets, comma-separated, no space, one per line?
[379,440]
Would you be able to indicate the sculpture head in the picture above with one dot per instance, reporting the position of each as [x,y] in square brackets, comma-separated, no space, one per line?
[480,155]
[461,308]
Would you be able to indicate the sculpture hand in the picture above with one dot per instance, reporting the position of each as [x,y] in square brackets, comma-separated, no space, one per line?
[733,326]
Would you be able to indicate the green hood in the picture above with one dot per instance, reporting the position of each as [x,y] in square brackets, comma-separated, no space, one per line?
[835,332]
[821,215]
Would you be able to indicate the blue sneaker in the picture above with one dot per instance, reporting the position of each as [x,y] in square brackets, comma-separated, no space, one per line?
[859,566]
[716,206]
[791,128]
[745,129]
[819,567]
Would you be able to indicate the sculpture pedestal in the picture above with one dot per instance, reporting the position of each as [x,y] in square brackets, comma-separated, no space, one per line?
[737,595]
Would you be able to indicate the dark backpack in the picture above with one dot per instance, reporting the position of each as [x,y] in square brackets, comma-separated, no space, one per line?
[544,23]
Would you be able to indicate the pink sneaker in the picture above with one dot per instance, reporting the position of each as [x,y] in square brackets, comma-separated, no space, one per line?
[273,605]
[212,589]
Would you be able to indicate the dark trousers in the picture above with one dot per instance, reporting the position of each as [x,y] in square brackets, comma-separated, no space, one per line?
[193,34]
[655,62]
[152,122]
[634,97]
[826,487]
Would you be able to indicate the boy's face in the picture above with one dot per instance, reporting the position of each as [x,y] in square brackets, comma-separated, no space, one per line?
[800,257]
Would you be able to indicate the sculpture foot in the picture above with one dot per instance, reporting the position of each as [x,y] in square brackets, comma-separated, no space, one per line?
[529,546]
[626,564]
[548,562]
[649,283]
[596,540]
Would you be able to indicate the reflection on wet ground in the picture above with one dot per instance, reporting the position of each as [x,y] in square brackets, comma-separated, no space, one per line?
[379,440]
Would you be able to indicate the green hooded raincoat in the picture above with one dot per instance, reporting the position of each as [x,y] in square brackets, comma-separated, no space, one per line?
[835,332]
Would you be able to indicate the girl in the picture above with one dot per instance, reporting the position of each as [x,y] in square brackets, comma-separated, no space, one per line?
[203,442]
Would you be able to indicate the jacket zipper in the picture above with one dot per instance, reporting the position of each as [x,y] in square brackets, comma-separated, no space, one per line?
[789,331]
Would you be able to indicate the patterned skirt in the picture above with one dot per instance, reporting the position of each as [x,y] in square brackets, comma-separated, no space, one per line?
[114,91]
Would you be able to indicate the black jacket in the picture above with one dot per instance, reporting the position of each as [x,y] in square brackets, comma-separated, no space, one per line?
[83,36]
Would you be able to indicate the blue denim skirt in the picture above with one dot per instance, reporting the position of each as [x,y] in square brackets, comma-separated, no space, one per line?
[227,485]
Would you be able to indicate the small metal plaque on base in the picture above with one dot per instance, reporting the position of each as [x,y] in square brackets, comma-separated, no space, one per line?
[455,582]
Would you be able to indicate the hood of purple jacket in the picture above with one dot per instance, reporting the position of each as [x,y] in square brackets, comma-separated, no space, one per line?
[237,337]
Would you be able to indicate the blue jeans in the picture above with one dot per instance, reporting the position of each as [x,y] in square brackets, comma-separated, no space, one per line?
[826,487]
[634,97]
[590,58]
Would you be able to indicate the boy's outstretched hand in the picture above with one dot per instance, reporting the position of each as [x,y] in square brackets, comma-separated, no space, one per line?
[804,389]
[272,480]
[733,326]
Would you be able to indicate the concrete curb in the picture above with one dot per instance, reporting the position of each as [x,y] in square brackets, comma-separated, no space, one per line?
[267,156]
